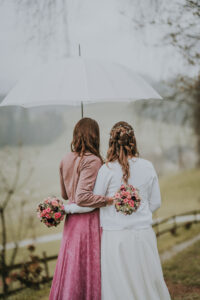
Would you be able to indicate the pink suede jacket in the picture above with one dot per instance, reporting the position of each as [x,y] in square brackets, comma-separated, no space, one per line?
[78,186]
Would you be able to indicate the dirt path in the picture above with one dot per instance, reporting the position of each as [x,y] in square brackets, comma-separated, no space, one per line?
[178,248]
[38,240]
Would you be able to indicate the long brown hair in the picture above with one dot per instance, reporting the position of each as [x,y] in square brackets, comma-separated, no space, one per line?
[122,145]
[86,137]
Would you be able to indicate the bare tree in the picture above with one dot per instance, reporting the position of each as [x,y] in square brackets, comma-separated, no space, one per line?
[184,27]
[10,184]
[45,23]
[179,26]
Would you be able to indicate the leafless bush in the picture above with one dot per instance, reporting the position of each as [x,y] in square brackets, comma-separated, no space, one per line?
[12,213]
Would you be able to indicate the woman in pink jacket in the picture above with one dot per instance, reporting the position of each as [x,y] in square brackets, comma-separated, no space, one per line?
[77,275]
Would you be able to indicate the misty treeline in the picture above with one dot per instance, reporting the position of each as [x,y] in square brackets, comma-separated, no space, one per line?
[29,127]
[47,22]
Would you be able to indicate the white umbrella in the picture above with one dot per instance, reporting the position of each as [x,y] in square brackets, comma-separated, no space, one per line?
[75,81]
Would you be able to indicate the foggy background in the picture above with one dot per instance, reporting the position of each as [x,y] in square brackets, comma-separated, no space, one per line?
[159,40]
[135,33]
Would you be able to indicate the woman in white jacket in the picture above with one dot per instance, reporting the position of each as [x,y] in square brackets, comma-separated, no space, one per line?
[130,263]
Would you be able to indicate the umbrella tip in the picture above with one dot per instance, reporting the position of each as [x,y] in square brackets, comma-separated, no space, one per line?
[79,49]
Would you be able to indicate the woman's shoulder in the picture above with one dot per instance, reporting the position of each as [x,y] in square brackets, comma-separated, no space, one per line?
[91,158]
[88,160]
[108,167]
[68,156]
[86,156]
[145,166]
[143,162]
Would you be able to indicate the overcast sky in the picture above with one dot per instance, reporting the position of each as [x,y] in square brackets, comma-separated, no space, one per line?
[100,27]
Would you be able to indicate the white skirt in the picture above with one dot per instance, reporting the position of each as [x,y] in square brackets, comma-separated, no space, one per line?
[130,266]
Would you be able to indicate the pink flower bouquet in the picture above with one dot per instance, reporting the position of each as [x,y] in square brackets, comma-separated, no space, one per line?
[127,199]
[51,212]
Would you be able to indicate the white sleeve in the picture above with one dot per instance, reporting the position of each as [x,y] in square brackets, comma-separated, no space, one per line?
[102,181]
[154,197]
[75,209]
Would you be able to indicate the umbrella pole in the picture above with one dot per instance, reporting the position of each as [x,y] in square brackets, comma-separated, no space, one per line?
[79,50]
[82,109]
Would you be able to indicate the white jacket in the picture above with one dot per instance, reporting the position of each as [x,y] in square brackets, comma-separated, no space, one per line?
[142,176]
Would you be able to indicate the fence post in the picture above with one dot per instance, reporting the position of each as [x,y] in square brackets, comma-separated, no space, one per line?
[173,230]
[46,267]
[157,229]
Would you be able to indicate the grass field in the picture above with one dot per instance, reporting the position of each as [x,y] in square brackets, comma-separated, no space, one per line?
[167,241]
[180,193]
[182,274]
[29,294]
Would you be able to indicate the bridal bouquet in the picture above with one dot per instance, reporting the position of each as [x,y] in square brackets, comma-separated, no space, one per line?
[127,199]
[51,211]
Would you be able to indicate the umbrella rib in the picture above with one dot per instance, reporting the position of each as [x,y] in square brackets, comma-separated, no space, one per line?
[86,84]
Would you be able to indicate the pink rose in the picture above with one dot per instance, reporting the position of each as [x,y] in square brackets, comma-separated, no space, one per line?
[126,200]
[43,213]
[48,210]
[127,194]
[46,201]
[117,195]
[54,203]
[131,203]
[47,216]
[57,215]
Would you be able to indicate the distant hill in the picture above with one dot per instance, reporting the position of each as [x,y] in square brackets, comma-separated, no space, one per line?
[29,126]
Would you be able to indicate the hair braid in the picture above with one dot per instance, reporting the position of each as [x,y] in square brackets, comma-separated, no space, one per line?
[122,145]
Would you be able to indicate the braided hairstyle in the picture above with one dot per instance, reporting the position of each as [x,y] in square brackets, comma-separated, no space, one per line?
[122,145]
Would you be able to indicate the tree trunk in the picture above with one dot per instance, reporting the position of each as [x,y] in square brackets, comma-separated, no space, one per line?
[3,265]
[197,118]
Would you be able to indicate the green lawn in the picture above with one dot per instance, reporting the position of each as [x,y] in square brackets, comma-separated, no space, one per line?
[182,274]
[28,294]
[167,241]
[180,193]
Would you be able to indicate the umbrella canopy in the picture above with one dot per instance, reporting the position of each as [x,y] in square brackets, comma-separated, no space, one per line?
[76,80]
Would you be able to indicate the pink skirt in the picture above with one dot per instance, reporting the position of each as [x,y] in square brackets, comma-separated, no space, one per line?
[78,274]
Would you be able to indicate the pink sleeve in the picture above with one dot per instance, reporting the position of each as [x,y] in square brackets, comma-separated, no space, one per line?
[62,185]
[84,193]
